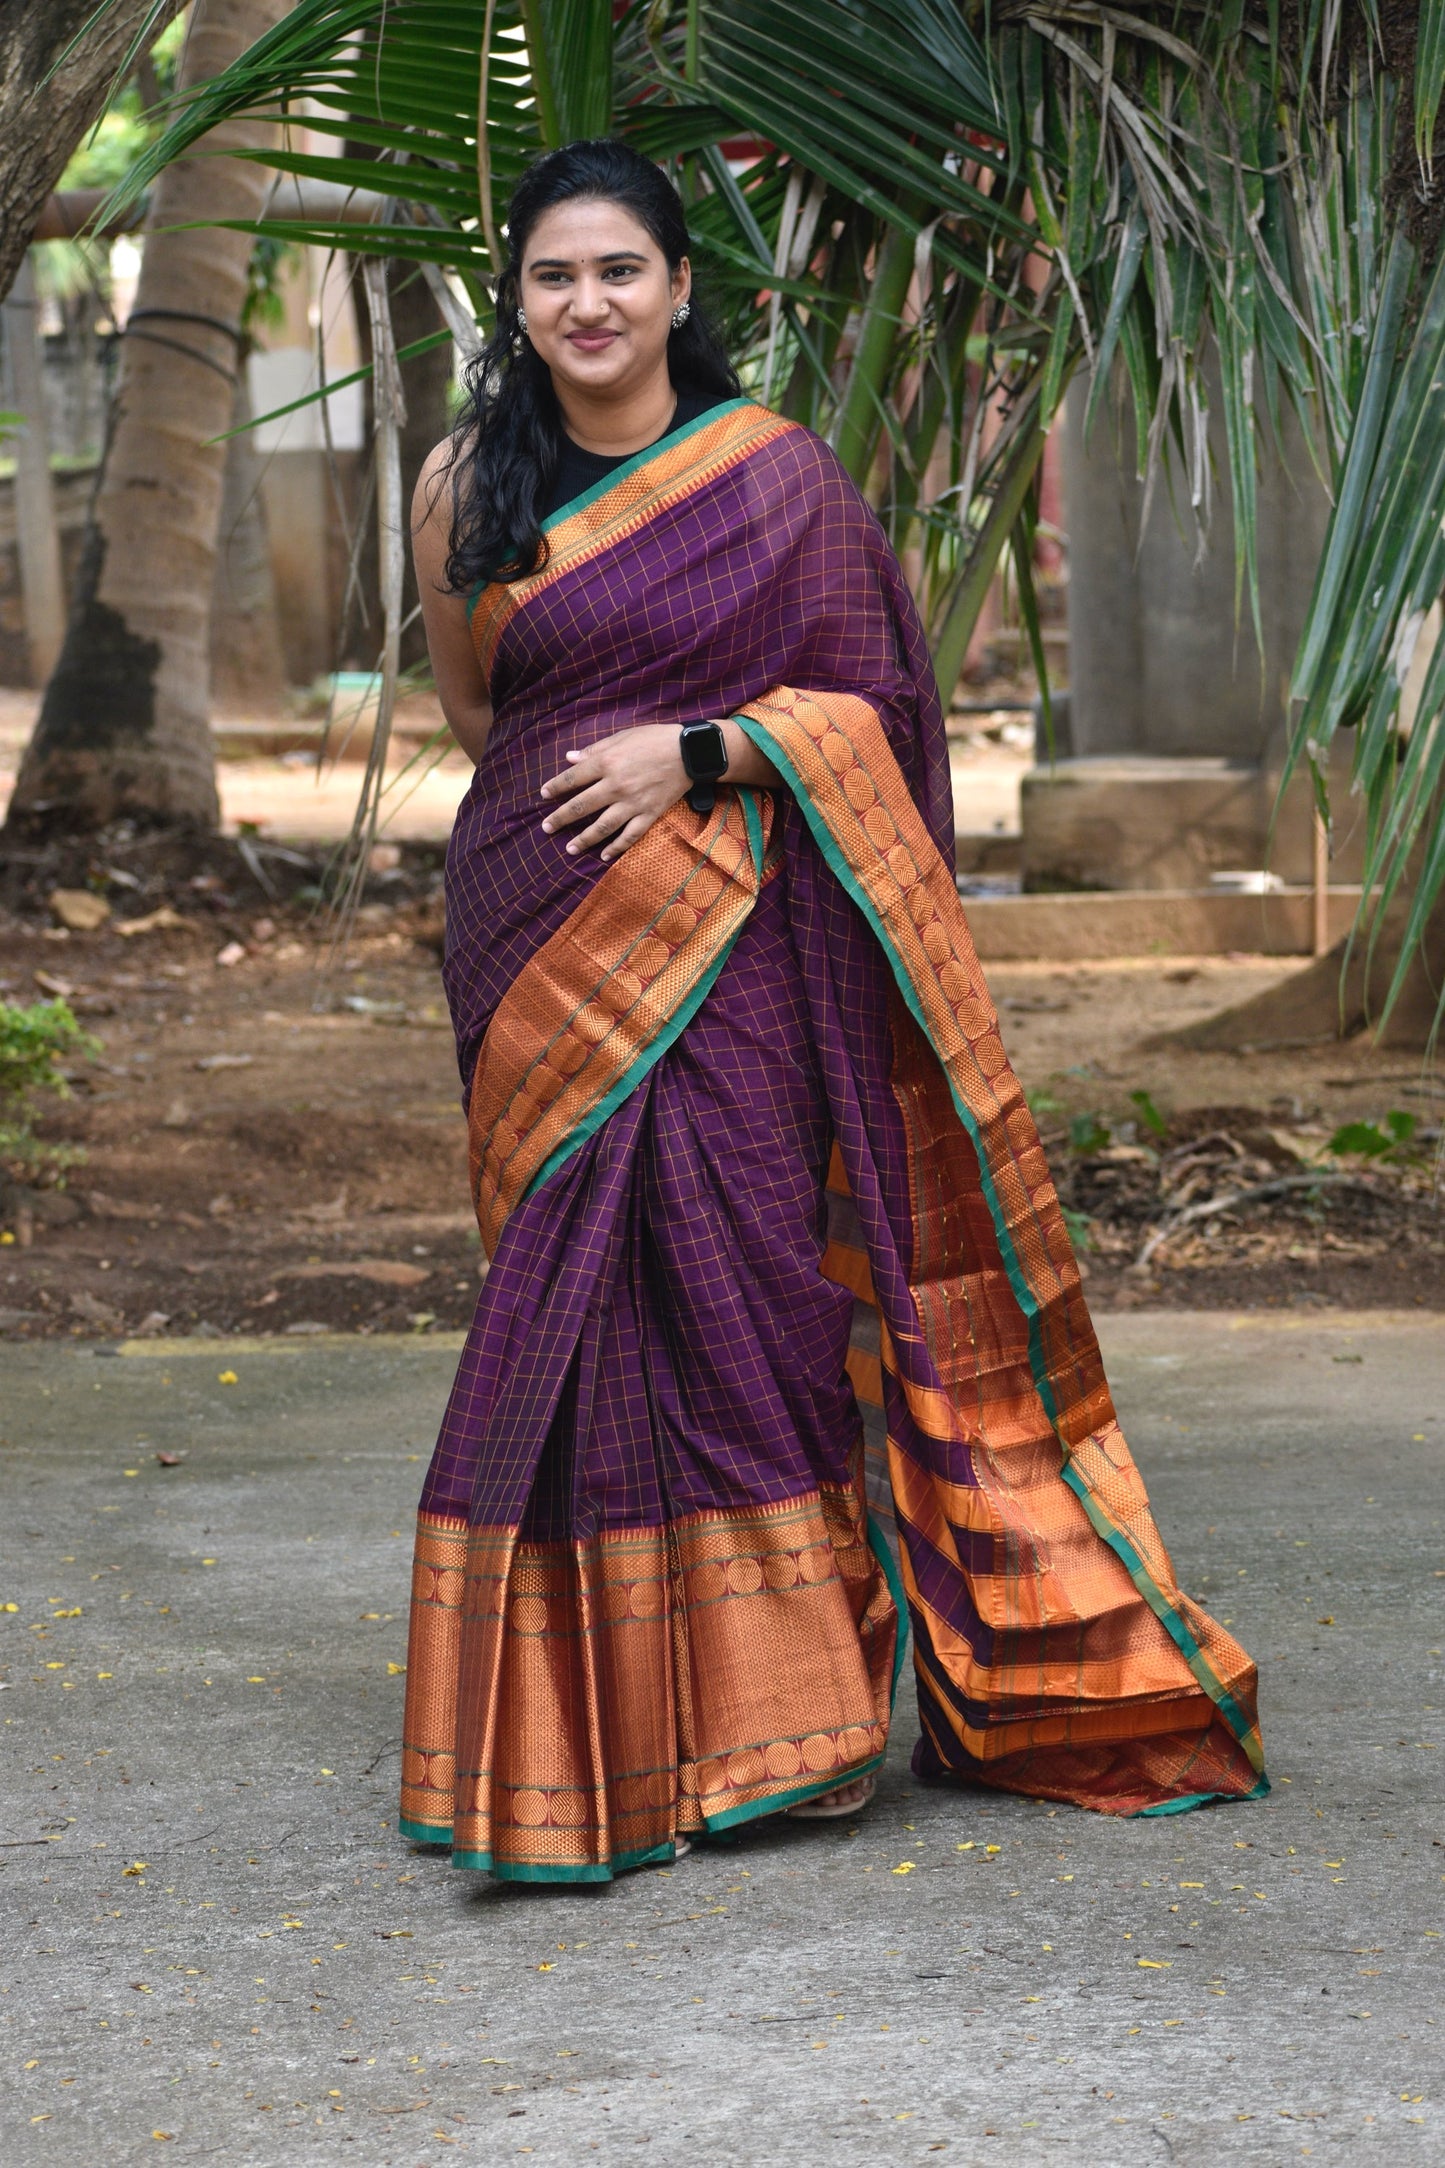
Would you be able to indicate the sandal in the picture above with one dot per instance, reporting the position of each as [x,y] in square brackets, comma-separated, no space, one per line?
[815,1811]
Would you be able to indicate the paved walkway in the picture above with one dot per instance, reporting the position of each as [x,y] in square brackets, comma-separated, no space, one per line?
[217,1948]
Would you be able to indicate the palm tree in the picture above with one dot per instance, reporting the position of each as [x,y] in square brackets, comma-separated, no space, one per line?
[942,210]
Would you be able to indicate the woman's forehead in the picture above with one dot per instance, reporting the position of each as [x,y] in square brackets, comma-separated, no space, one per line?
[585,228]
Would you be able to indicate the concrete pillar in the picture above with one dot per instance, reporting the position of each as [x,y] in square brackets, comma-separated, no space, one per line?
[1177,723]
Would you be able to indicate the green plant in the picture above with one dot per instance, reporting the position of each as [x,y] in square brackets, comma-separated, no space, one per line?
[1088,1133]
[1366,1140]
[1149,1114]
[33,1043]
[1080,1226]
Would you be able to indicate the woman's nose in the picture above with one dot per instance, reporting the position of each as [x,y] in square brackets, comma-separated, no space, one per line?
[589,301]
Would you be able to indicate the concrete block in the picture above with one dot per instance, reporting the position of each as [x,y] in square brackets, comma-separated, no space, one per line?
[1081,928]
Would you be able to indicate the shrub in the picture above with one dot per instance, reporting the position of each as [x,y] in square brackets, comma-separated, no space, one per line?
[33,1043]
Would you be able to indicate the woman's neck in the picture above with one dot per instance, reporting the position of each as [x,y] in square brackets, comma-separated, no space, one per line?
[612,426]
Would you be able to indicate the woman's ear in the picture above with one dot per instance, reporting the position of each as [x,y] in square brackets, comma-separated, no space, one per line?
[681,282]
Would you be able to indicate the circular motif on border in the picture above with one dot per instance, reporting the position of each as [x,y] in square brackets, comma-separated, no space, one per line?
[676,923]
[544,1084]
[920,904]
[569,1809]
[441,1772]
[854,1743]
[878,826]
[566,1057]
[955,981]
[631,1794]
[591,1025]
[782,1758]
[659,1788]
[745,1576]
[649,955]
[1057,1243]
[616,1600]
[449,1585]
[744,1768]
[990,1055]
[820,1752]
[837,752]
[858,789]
[902,868]
[780,1571]
[1033,1166]
[529,1615]
[936,945]
[727,852]
[646,1599]
[413,1766]
[711,1777]
[619,991]
[707,1583]
[529,1808]
[816,1563]
[704,888]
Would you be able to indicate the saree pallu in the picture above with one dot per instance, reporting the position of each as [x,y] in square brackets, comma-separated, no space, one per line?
[778,1279]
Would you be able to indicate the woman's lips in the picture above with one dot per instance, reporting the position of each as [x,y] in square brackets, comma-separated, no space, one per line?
[591,342]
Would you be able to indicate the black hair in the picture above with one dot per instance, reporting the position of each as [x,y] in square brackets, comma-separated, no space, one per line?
[508,439]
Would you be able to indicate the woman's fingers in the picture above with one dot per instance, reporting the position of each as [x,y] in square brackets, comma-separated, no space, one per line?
[612,818]
[634,832]
[580,807]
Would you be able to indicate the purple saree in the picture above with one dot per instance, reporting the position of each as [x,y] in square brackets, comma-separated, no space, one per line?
[759,1189]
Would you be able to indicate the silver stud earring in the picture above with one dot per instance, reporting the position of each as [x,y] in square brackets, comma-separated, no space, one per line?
[521,319]
[681,314]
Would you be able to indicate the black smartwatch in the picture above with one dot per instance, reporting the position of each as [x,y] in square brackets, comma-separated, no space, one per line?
[705,757]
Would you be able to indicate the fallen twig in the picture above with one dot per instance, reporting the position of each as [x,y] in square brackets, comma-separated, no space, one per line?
[1212,1206]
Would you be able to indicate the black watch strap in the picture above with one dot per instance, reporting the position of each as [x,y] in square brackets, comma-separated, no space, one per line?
[705,760]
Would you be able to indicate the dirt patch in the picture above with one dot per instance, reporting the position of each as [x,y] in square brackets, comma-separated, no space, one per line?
[269,1147]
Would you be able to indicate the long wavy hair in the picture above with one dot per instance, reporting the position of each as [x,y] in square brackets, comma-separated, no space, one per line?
[508,438]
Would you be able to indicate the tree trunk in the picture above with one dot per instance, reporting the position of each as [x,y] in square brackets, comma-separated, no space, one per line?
[40,127]
[124,727]
[248,671]
[1330,1000]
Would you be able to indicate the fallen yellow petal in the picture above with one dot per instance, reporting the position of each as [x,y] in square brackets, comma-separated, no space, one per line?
[394,1671]
[1154,1964]
[227,1377]
[905,1868]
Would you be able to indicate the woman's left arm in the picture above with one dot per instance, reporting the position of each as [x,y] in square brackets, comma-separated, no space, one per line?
[624,783]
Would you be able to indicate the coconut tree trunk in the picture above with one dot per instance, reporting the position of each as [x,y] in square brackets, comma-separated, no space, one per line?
[248,670]
[124,726]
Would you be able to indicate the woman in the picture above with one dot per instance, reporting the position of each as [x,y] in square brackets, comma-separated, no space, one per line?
[754,1177]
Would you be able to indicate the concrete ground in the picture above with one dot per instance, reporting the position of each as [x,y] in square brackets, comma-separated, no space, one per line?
[218,1949]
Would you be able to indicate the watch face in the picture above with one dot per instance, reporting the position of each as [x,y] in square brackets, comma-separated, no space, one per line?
[704,750]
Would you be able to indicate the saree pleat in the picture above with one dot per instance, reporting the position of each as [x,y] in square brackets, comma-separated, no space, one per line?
[779,1285]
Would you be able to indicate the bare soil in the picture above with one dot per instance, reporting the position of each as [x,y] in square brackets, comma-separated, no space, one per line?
[270,1145]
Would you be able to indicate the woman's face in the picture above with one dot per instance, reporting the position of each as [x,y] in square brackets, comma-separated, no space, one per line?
[598,296]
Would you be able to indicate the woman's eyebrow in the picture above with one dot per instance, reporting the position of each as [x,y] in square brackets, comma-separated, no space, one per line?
[565,263]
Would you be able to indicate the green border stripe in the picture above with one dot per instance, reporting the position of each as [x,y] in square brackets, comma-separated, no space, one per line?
[1102,1523]
[779,1802]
